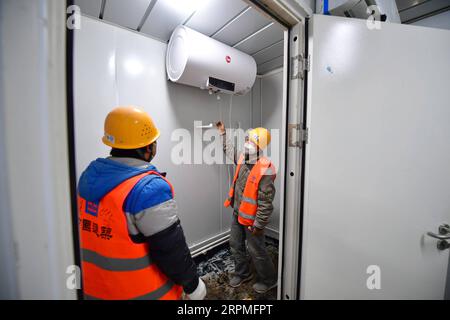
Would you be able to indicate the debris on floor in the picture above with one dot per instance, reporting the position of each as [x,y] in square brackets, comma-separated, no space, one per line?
[216,269]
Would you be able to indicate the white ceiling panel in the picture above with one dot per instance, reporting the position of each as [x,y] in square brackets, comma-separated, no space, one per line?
[90,7]
[165,16]
[232,22]
[270,65]
[214,15]
[127,13]
[273,51]
[243,26]
[262,39]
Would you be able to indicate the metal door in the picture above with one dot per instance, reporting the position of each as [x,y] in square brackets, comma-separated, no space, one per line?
[377,161]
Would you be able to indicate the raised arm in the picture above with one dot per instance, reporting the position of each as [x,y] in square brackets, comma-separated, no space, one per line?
[228,146]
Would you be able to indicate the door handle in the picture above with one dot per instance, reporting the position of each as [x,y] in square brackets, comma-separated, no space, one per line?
[443,236]
[438,236]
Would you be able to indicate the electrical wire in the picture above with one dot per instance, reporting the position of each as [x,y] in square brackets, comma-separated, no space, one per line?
[219,104]
[230,109]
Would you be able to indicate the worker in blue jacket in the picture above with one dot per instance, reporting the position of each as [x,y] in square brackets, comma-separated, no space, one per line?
[144,254]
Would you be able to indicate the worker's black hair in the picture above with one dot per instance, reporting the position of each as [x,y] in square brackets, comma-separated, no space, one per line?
[130,153]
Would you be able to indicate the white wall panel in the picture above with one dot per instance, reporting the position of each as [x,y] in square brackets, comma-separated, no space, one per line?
[271,115]
[138,77]
[36,228]
[94,86]
[256,103]
[272,110]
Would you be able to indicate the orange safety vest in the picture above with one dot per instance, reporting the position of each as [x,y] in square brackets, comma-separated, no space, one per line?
[114,267]
[249,202]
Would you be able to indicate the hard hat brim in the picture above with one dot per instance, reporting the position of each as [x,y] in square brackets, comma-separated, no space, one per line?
[130,146]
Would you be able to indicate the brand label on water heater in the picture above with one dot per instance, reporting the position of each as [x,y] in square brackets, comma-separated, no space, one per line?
[228,59]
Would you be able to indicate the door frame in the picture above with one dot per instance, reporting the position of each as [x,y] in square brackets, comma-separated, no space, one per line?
[70,120]
[294,15]
[290,248]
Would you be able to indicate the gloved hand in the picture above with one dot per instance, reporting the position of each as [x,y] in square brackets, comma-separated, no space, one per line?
[199,293]
[220,127]
[255,231]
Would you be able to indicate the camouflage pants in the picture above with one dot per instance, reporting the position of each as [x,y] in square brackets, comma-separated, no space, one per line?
[264,267]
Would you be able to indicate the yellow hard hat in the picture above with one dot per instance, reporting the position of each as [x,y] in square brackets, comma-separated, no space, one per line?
[129,128]
[260,136]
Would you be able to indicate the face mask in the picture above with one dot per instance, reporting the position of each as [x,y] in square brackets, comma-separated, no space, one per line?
[152,153]
[250,148]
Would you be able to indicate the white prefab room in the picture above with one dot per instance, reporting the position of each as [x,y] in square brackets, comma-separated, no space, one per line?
[354,93]
[122,60]
[343,95]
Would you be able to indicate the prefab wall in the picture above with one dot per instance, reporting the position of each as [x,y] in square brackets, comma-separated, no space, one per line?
[268,109]
[114,66]
[36,248]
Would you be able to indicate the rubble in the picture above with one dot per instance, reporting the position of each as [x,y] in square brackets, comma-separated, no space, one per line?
[215,271]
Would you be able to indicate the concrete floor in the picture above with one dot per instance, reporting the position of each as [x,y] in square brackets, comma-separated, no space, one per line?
[216,268]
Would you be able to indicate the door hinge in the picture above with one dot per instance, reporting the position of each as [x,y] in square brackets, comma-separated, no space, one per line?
[297,135]
[299,64]
[307,64]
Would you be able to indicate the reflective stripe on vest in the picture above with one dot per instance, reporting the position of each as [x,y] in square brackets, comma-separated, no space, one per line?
[154,295]
[249,200]
[246,216]
[115,264]
[114,267]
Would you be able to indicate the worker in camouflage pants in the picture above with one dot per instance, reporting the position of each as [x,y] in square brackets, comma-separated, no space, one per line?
[251,197]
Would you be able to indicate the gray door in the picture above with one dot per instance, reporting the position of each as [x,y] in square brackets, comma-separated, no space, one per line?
[377,168]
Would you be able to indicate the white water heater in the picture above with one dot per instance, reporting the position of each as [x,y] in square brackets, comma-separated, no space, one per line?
[200,61]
